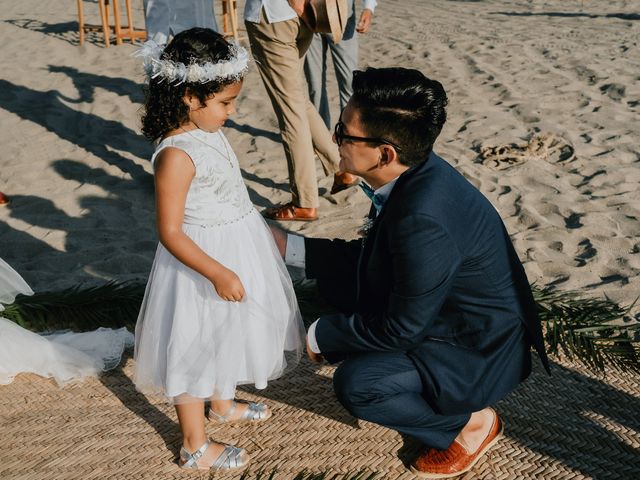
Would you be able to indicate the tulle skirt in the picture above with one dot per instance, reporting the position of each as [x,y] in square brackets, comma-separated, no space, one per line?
[65,356]
[192,344]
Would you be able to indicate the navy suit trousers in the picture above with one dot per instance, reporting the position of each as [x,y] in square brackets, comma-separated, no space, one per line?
[385,388]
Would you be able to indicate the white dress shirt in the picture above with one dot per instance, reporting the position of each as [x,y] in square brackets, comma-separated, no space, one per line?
[274,10]
[369,5]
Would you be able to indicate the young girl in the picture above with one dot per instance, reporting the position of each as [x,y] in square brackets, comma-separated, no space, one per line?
[219,308]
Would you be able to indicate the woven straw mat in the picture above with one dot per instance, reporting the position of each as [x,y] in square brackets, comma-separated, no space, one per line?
[571,425]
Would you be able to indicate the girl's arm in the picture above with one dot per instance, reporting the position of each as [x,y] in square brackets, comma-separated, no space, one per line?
[174,171]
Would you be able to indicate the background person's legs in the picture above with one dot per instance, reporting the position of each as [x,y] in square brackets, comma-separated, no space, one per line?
[192,13]
[157,17]
[385,388]
[345,61]
[315,71]
[302,129]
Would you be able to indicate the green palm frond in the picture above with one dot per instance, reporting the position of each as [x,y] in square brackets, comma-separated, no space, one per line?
[596,332]
[113,304]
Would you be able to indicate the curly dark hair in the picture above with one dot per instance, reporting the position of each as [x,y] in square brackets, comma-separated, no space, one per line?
[403,106]
[164,108]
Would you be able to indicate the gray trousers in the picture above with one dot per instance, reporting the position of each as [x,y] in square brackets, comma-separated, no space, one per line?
[345,60]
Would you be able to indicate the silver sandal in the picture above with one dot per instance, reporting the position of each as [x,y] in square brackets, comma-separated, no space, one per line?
[231,458]
[255,412]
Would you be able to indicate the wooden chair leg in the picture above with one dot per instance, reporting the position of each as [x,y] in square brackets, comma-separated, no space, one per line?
[234,19]
[225,18]
[80,21]
[116,21]
[104,15]
[130,20]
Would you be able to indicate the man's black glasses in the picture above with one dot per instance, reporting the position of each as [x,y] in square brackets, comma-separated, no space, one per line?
[341,136]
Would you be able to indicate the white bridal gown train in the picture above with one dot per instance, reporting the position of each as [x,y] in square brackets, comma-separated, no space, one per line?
[64,356]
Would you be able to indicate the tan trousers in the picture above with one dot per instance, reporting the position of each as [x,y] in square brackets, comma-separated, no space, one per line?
[278,49]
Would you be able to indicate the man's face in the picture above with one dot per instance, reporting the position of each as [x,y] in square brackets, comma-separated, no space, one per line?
[356,157]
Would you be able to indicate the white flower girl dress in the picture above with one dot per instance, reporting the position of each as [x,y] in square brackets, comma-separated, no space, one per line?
[188,339]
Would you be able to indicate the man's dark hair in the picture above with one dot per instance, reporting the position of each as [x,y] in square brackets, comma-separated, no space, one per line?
[403,106]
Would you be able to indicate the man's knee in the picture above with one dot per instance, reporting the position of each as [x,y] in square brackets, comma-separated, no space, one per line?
[357,388]
[347,386]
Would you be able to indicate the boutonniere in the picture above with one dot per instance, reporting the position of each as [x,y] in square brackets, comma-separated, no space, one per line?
[366,227]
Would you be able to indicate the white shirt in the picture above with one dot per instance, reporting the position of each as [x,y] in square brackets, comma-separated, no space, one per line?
[274,10]
[280,10]
[369,5]
[295,252]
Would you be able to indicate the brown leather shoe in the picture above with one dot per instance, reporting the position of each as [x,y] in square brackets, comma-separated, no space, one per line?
[3,200]
[342,181]
[455,460]
[289,212]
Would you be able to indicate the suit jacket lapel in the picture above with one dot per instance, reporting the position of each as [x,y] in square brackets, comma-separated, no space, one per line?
[367,243]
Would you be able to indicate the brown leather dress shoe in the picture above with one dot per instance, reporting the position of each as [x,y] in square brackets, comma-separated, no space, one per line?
[3,200]
[289,212]
[455,460]
[342,181]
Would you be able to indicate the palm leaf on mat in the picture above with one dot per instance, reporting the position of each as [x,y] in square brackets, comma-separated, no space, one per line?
[113,304]
[595,331]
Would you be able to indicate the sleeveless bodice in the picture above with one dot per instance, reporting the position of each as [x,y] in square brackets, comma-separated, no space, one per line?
[217,194]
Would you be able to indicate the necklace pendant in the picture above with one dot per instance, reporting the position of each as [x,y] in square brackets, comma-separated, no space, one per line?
[226,155]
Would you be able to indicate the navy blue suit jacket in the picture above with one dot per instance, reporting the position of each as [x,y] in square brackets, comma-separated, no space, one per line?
[438,278]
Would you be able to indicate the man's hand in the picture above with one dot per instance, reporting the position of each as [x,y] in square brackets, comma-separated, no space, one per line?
[298,6]
[366,18]
[280,237]
[314,357]
[304,11]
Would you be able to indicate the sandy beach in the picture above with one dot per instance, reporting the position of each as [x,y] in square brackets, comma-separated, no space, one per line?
[543,119]
[77,170]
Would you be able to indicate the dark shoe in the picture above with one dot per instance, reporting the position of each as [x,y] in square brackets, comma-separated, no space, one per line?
[3,200]
[342,181]
[289,212]
[455,460]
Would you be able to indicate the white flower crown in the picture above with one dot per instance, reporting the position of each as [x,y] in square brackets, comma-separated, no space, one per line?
[178,72]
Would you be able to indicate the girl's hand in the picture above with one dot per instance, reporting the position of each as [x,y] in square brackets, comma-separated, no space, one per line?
[228,286]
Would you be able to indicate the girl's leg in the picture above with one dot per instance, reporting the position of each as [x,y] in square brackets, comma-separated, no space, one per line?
[191,418]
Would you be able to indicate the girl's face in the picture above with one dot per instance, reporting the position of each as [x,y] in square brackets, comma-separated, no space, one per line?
[212,115]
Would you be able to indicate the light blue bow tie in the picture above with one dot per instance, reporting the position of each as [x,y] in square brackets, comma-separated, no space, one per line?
[369,192]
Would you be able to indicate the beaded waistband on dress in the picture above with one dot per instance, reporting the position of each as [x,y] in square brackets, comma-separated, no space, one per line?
[217,223]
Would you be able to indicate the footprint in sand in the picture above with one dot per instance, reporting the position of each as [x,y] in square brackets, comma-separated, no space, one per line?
[586,251]
[614,91]
[542,146]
